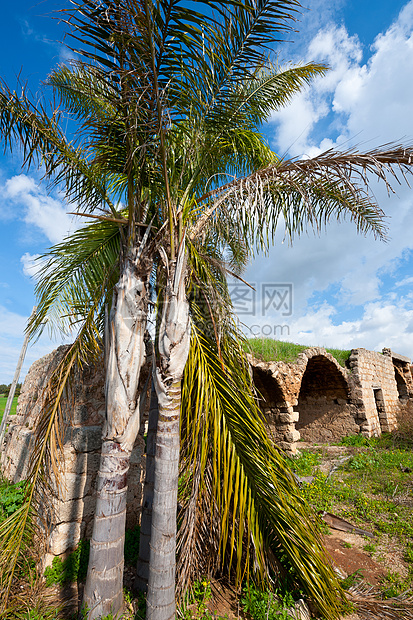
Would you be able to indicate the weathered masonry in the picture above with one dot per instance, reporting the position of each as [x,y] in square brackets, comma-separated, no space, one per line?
[315,398]
[318,400]
[73,505]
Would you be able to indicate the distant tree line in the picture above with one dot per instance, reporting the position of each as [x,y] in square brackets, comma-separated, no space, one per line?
[5,389]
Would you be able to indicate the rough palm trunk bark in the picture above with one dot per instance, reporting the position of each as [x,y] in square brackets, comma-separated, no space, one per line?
[142,569]
[173,343]
[104,583]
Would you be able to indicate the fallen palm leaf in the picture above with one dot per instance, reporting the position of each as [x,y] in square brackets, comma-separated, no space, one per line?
[342,525]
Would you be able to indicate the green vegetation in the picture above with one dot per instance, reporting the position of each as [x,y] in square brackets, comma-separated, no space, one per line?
[73,568]
[268,350]
[5,389]
[371,491]
[264,605]
[3,401]
[11,498]
[305,463]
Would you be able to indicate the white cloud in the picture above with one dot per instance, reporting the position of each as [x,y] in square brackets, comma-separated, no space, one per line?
[405,282]
[382,324]
[30,264]
[296,122]
[36,208]
[12,326]
[372,100]
[360,100]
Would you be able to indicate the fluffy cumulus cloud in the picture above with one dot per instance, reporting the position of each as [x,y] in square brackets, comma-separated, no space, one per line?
[364,101]
[26,200]
[30,264]
[40,220]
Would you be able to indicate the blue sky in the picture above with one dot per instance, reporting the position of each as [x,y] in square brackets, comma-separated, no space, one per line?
[339,289]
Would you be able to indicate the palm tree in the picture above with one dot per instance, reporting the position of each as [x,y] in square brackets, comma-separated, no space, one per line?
[167,110]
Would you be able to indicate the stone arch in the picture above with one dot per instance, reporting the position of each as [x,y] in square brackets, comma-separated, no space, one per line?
[268,388]
[324,408]
[277,411]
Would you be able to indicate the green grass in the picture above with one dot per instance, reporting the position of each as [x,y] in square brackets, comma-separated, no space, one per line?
[269,350]
[3,401]
[371,491]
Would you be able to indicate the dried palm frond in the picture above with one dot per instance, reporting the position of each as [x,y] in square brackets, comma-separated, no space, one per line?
[370,604]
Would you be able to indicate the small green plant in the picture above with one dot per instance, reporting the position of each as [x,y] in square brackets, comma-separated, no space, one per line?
[347,545]
[201,591]
[319,493]
[73,568]
[354,440]
[11,497]
[393,584]
[265,605]
[306,462]
[352,580]
[370,548]
[408,553]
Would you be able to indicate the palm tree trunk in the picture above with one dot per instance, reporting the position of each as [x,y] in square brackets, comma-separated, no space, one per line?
[104,583]
[142,569]
[173,344]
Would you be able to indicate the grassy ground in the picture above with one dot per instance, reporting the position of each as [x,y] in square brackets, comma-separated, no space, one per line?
[373,490]
[269,350]
[3,401]
[371,487]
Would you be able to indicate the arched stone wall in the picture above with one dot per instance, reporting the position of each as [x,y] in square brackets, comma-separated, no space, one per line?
[324,408]
[278,413]
[285,382]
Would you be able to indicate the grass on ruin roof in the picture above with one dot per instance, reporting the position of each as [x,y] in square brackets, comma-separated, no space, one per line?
[268,350]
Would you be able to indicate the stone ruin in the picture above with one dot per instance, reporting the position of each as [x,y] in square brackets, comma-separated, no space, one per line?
[83,410]
[314,399]
[318,400]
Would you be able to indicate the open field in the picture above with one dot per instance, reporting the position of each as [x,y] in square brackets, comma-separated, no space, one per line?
[3,401]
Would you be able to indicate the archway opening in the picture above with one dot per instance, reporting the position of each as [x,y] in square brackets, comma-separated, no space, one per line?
[401,385]
[325,413]
[269,391]
[271,401]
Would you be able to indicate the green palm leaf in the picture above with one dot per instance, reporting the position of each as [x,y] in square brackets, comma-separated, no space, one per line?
[251,490]
[17,530]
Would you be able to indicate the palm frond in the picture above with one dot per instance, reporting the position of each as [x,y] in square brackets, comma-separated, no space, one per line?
[310,192]
[253,489]
[71,277]
[43,143]
[46,457]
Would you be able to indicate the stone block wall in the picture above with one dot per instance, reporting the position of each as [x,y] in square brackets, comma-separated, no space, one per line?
[374,391]
[318,400]
[83,409]
[309,399]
